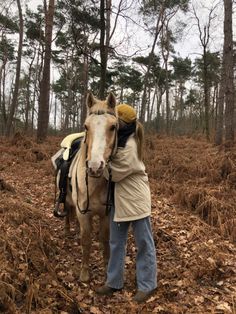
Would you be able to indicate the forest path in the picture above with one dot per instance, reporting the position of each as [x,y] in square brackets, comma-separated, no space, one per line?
[196,267]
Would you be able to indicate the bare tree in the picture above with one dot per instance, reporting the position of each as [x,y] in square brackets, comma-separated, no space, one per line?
[164,11]
[165,49]
[229,73]
[220,107]
[158,28]
[226,92]
[106,34]
[28,101]
[3,84]
[204,36]
[105,12]
[18,69]
[43,114]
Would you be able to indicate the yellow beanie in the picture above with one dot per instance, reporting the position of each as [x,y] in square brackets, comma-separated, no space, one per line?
[126,113]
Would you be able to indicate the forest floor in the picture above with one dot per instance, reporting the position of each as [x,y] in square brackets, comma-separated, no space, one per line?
[193,217]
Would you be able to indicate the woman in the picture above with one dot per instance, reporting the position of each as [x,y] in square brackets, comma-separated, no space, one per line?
[132,206]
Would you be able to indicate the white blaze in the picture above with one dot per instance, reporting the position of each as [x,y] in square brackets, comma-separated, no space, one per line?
[98,126]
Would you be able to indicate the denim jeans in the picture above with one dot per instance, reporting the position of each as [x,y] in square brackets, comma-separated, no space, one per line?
[146,265]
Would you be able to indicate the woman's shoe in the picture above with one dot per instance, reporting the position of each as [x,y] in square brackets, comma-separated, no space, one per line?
[105,290]
[142,296]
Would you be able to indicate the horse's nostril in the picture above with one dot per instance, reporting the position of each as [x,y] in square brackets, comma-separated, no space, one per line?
[92,172]
[95,167]
[101,165]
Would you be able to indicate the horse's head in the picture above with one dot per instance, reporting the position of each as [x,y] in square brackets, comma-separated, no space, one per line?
[101,132]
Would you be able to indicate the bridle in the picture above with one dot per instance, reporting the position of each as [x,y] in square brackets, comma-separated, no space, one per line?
[113,151]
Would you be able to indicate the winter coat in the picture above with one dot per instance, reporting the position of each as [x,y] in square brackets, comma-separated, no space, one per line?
[132,192]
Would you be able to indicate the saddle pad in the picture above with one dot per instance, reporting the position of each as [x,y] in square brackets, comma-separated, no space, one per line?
[67,142]
[69,139]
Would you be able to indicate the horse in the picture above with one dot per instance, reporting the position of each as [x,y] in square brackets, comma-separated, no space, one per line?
[89,187]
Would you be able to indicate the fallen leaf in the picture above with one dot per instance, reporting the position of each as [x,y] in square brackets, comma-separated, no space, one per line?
[95,310]
[224,306]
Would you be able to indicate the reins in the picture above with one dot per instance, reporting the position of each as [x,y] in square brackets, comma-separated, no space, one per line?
[109,184]
[109,202]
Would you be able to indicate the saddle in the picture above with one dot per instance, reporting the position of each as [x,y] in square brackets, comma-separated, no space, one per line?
[61,161]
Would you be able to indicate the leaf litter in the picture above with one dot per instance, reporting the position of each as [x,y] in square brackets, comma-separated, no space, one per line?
[193,218]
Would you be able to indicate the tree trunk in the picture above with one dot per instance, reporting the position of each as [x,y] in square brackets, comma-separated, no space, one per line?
[27,109]
[17,78]
[147,74]
[43,114]
[153,102]
[165,50]
[206,93]
[84,93]
[220,108]
[105,5]
[55,113]
[159,102]
[214,107]
[2,96]
[36,80]
[181,100]
[69,98]
[167,95]
[229,73]
[148,103]
[121,94]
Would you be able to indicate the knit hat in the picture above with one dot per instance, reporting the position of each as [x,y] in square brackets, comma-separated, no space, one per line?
[126,113]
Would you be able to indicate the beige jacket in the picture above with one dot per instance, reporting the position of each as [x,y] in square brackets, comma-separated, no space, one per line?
[132,192]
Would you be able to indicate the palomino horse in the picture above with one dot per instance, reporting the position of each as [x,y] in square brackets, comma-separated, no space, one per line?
[89,187]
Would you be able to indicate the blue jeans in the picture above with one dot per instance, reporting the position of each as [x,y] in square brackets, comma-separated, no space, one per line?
[146,265]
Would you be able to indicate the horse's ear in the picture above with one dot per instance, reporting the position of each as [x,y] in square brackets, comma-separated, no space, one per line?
[111,100]
[90,101]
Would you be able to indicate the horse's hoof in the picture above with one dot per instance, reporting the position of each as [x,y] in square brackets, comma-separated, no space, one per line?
[84,275]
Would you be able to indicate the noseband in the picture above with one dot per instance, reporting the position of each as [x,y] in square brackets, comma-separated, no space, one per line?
[108,203]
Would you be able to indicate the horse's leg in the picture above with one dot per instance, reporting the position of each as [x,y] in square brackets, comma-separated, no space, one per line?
[71,216]
[104,238]
[67,226]
[85,241]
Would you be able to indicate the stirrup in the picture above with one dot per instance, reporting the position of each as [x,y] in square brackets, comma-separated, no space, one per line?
[57,212]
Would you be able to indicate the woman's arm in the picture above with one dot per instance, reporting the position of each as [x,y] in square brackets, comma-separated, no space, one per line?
[124,163]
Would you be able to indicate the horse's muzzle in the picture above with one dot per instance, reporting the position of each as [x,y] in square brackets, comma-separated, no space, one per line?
[95,169]
[95,174]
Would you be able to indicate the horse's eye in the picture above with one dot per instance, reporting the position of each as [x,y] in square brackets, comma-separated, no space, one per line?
[113,127]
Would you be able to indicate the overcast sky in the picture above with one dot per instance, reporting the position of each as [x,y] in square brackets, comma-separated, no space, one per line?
[129,38]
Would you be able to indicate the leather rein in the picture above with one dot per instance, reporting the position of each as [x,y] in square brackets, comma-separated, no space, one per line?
[108,199]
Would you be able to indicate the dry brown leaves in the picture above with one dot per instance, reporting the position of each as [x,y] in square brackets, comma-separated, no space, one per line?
[196,263]
[199,177]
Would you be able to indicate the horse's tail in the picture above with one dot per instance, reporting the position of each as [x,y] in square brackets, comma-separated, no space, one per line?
[139,136]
